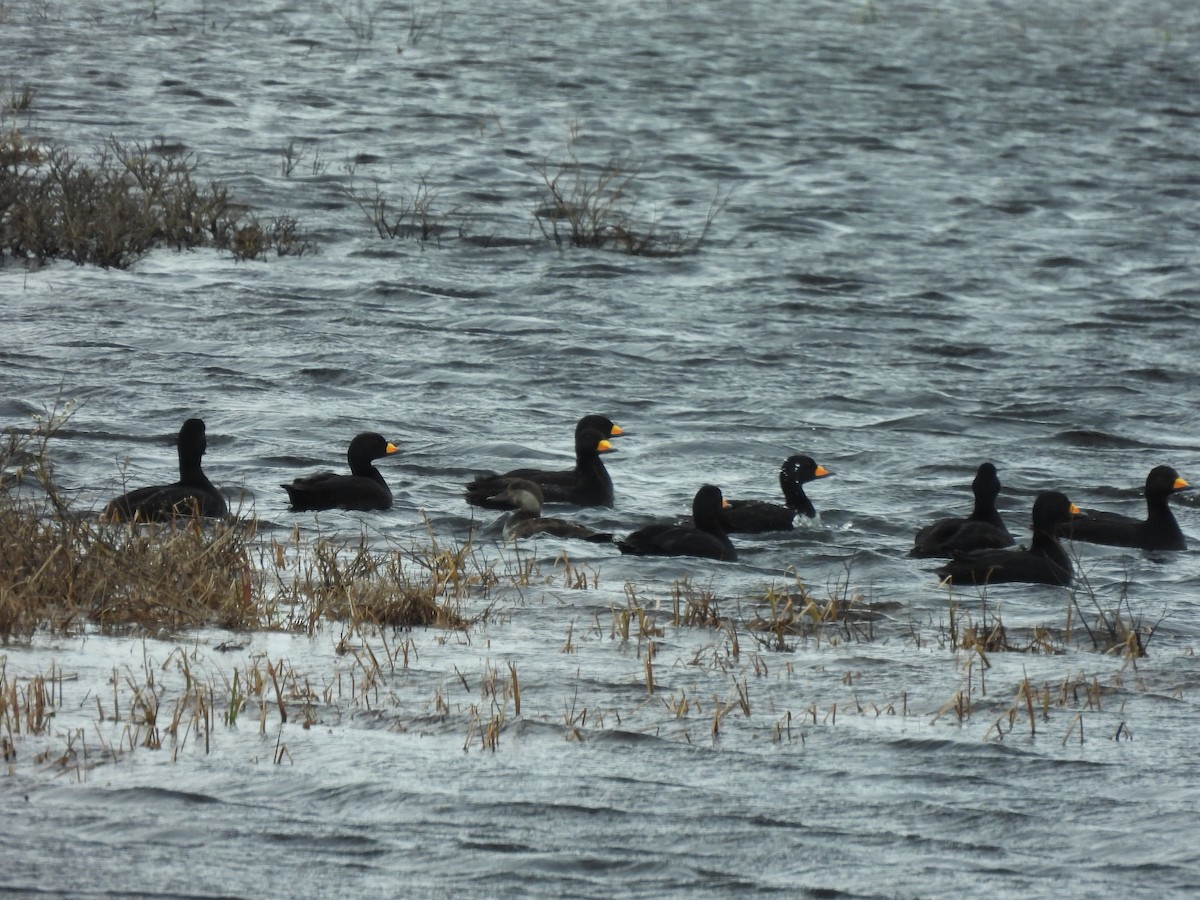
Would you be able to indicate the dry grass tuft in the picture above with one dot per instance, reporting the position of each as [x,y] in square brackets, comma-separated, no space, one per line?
[365,587]
[1116,629]
[1033,705]
[59,572]
[1111,629]
[27,708]
[782,614]
[988,634]
[695,606]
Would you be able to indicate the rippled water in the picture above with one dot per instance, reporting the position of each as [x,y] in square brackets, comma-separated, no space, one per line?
[954,232]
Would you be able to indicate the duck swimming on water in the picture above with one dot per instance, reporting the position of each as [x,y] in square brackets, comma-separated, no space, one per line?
[1045,562]
[192,494]
[1158,531]
[982,530]
[363,489]
[705,537]
[757,516]
[528,521]
[588,484]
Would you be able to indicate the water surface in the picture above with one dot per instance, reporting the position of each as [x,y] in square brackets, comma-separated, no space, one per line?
[953,233]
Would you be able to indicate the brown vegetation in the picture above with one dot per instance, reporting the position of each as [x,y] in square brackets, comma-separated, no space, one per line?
[61,570]
[784,614]
[127,199]
[593,206]
[414,216]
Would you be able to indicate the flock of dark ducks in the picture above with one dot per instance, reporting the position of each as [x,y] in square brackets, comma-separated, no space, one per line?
[978,547]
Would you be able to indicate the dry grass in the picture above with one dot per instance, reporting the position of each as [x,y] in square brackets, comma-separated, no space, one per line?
[1110,629]
[1031,707]
[61,571]
[111,208]
[985,632]
[363,586]
[783,614]
[488,717]
[26,708]
[694,606]
[1116,628]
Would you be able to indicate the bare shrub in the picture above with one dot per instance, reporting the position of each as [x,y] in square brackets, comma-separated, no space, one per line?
[292,156]
[593,207]
[113,208]
[414,216]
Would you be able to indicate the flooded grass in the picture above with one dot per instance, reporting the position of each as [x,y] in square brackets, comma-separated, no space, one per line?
[784,615]
[65,573]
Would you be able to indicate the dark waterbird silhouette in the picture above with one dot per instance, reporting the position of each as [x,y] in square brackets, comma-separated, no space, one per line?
[588,484]
[982,530]
[192,494]
[705,537]
[1045,562]
[528,521]
[1158,531]
[363,489]
[757,516]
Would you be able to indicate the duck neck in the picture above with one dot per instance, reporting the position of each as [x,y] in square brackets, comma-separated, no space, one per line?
[707,520]
[1158,509]
[1045,543]
[363,469]
[797,500]
[591,465]
[190,472]
[984,509]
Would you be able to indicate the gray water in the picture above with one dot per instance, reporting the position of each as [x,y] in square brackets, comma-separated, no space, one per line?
[954,232]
